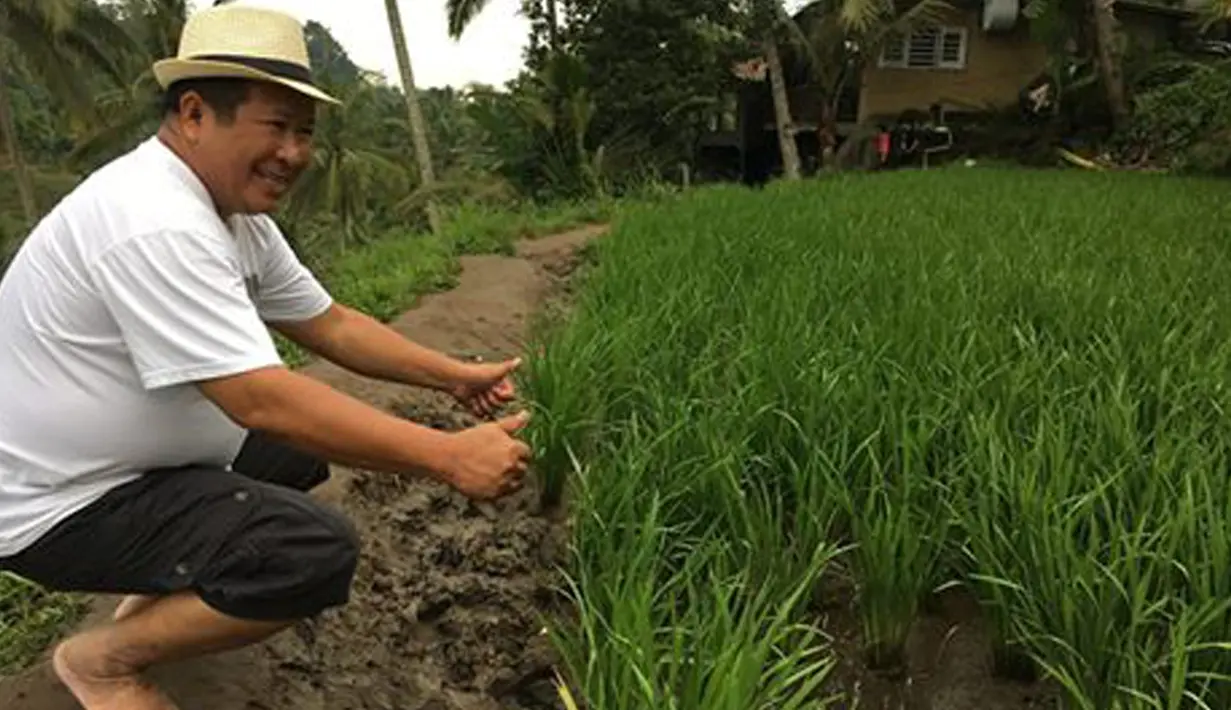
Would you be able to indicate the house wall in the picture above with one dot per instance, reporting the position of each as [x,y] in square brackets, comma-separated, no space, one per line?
[997,67]
[1148,31]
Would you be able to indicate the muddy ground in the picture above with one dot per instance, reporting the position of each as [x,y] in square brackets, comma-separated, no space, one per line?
[451,597]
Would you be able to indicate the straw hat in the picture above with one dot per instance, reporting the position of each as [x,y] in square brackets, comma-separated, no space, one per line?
[244,42]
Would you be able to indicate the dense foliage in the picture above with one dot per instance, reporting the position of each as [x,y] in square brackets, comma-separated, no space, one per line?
[589,117]
[1182,115]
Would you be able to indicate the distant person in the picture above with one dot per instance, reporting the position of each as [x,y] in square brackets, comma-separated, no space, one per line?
[151,441]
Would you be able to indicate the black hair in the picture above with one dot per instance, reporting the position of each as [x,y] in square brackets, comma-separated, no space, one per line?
[222,94]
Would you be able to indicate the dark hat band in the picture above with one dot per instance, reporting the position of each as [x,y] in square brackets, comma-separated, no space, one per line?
[286,70]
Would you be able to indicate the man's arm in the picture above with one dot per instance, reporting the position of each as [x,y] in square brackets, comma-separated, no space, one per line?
[481,462]
[329,423]
[364,345]
[179,301]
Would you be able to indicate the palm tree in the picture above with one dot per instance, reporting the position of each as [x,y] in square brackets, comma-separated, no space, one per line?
[55,40]
[26,25]
[347,170]
[418,127]
[1111,66]
[556,108]
[25,190]
[783,121]
[125,114]
[838,36]
[765,23]
[462,12]
[835,38]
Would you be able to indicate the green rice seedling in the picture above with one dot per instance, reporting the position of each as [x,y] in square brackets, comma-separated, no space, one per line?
[900,531]
[707,638]
[691,625]
[1196,668]
[1014,379]
[1184,678]
[564,410]
[994,536]
[818,502]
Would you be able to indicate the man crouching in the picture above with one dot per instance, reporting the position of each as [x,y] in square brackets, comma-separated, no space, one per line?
[151,441]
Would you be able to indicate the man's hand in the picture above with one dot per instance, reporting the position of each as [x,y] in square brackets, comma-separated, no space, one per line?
[484,387]
[487,461]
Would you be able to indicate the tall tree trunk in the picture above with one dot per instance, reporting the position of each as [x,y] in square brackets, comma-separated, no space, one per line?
[553,27]
[827,127]
[418,126]
[782,111]
[827,130]
[1110,68]
[25,188]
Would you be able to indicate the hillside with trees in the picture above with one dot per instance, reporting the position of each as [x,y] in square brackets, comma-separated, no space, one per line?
[612,95]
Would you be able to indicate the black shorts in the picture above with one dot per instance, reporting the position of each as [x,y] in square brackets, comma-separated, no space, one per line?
[251,542]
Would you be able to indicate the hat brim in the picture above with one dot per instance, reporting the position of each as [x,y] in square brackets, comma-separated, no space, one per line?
[169,71]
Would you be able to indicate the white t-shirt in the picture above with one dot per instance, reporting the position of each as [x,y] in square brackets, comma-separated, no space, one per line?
[128,291]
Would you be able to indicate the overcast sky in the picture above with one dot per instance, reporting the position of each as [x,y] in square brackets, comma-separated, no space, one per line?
[490,51]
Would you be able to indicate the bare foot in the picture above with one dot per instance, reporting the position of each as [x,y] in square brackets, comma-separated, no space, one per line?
[132,604]
[95,693]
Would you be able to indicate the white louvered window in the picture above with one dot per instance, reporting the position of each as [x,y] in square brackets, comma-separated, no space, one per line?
[926,48]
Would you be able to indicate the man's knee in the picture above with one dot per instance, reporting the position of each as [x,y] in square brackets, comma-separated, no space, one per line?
[296,559]
[335,545]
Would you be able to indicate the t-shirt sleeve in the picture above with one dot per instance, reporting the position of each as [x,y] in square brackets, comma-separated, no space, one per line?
[287,289]
[182,308]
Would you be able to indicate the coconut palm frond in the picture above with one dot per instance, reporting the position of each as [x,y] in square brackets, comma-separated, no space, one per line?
[120,130]
[461,13]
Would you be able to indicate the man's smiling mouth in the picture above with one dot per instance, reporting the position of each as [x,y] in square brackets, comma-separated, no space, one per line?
[279,179]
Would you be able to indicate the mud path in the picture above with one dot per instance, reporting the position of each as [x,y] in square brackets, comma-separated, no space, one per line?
[449,599]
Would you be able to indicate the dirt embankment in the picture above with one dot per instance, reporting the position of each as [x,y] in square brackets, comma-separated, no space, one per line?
[450,596]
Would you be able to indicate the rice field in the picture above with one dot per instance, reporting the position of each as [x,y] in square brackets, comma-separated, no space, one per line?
[1009,382]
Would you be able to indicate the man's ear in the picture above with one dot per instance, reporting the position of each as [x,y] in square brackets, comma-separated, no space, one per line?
[191,117]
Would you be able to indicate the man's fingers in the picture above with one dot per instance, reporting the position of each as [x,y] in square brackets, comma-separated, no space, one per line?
[486,402]
[503,389]
[514,422]
[512,480]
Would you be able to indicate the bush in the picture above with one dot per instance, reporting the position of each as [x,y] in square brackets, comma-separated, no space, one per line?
[1181,117]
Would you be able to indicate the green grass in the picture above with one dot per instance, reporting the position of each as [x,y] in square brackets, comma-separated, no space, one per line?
[1014,381]
[31,619]
[477,229]
[385,277]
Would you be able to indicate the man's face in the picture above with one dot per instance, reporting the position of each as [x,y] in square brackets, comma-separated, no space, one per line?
[250,163]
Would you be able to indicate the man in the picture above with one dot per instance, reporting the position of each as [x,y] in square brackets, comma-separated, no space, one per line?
[151,441]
